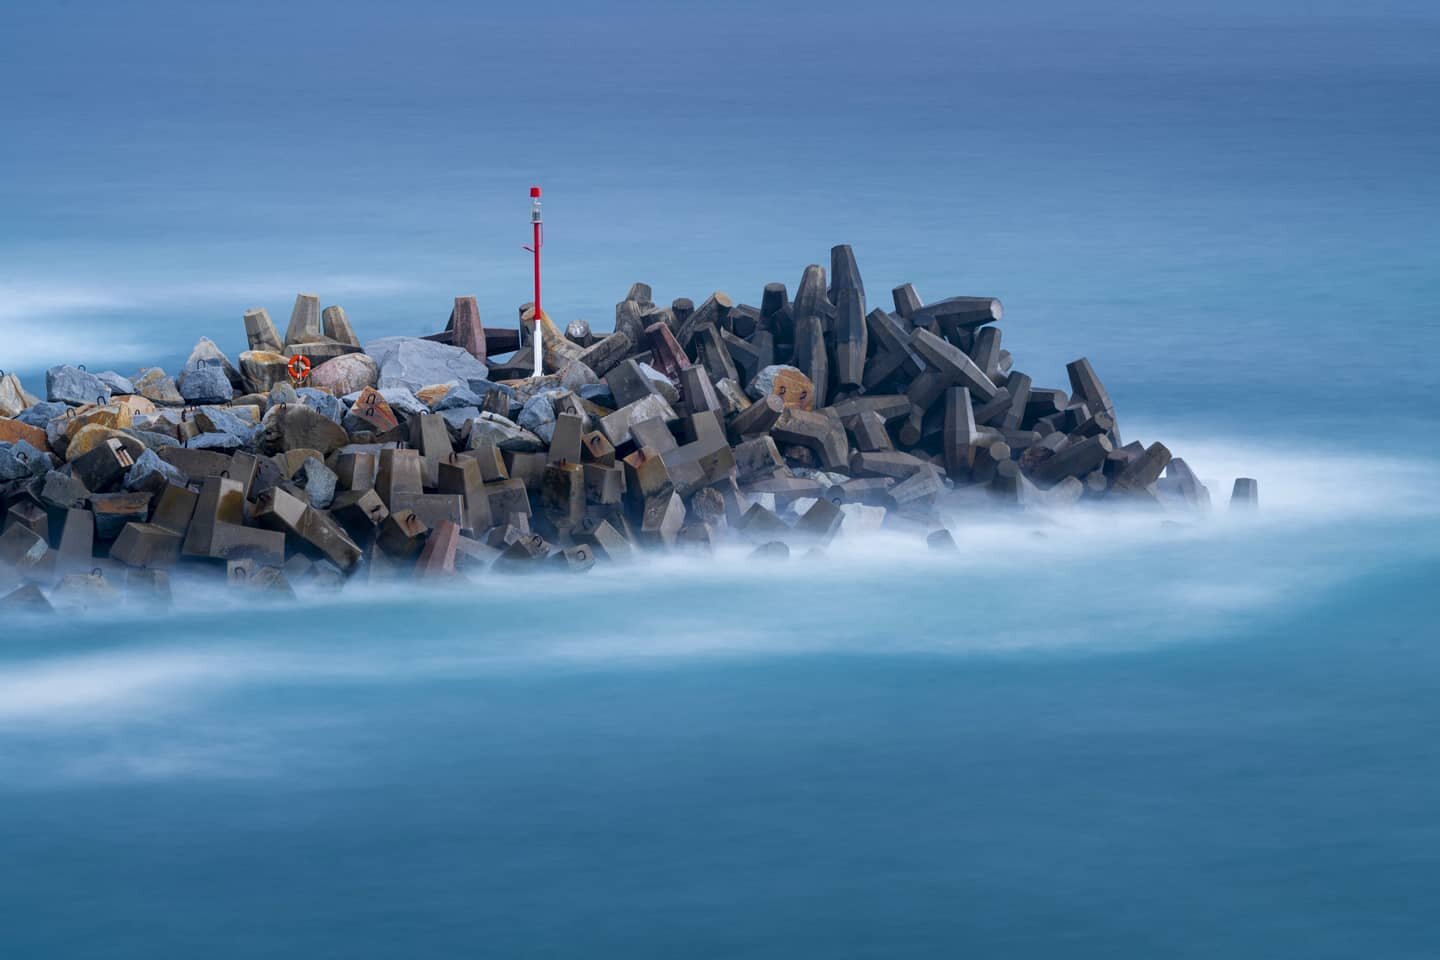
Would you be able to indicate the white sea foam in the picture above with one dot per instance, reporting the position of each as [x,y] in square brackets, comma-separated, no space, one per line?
[1076,580]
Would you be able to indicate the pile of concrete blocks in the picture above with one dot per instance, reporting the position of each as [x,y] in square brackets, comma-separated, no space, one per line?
[776,426]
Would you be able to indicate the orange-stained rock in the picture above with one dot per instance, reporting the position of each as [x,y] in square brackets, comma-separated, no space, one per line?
[12,431]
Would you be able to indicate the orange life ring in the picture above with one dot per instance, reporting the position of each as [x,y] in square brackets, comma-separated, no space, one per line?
[299,367]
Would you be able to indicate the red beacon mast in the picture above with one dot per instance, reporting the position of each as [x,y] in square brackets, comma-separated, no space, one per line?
[537,227]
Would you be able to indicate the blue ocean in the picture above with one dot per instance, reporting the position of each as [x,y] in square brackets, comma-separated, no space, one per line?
[1082,735]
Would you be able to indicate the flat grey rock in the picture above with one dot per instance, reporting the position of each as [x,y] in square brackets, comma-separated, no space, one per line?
[414,363]
[43,413]
[505,434]
[67,384]
[115,382]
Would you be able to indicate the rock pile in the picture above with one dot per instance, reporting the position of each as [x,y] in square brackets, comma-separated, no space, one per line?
[780,425]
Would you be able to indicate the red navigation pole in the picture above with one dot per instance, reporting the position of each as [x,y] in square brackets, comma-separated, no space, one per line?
[538,228]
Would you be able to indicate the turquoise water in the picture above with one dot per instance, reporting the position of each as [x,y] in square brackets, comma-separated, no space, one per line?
[1087,735]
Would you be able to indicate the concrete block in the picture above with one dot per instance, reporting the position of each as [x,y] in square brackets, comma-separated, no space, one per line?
[604,484]
[402,535]
[942,541]
[399,473]
[616,426]
[260,332]
[28,513]
[1144,470]
[821,434]
[146,545]
[507,498]
[697,391]
[713,311]
[1245,495]
[818,524]
[663,516]
[433,508]
[1075,460]
[437,558]
[607,541]
[103,468]
[305,324]
[757,419]
[359,512]
[988,458]
[867,430]
[958,314]
[960,436]
[113,510]
[811,356]
[952,363]
[907,300]
[895,464]
[923,485]
[714,354]
[562,495]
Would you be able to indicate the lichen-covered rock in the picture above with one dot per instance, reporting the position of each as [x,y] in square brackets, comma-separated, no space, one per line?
[12,396]
[67,384]
[89,437]
[13,431]
[262,370]
[156,387]
[346,374]
[208,384]
[414,363]
[764,383]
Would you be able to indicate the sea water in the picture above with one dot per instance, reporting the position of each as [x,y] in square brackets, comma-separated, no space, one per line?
[1085,734]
